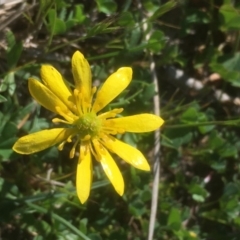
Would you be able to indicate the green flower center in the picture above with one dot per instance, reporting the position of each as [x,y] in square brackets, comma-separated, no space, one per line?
[89,125]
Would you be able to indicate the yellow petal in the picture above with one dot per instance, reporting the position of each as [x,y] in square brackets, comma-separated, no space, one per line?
[82,74]
[47,98]
[54,82]
[112,87]
[112,171]
[41,140]
[84,174]
[136,123]
[128,153]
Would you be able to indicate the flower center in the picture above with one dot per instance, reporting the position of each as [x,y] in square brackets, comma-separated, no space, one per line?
[89,126]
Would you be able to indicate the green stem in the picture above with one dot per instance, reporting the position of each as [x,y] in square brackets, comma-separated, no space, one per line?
[186,125]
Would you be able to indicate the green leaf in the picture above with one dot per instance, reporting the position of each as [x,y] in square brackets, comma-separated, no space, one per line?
[56,25]
[196,16]
[202,117]
[79,15]
[198,198]
[9,130]
[95,236]
[170,53]
[230,17]
[70,23]
[198,192]
[102,27]
[10,38]
[106,6]
[8,83]
[135,37]
[175,138]
[229,150]
[234,23]
[174,219]
[2,98]
[58,219]
[148,92]
[190,115]
[4,118]
[231,62]
[83,225]
[126,19]
[7,139]
[218,164]
[59,27]
[215,141]
[169,5]
[13,54]
[62,14]
[11,84]
[156,41]
[5,154]
[237,221]
[44,4]
[228,75]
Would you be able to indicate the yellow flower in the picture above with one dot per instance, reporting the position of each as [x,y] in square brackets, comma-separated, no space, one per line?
[92,131]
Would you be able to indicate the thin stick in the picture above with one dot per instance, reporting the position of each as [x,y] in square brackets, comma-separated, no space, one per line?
[156,165]
[157,146]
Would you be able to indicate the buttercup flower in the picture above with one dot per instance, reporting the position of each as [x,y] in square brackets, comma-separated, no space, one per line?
[92,131]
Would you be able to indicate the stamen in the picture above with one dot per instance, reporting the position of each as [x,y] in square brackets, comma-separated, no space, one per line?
[113,130]
[105,137]
[86,138]
[78,102]
[58,120]
[97,150]
[63,114]
[61,145]
[100,150]
[94,89]
[69,139]
[83,150]
[94,153]
[72,152]
[110,114]
[86,104]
